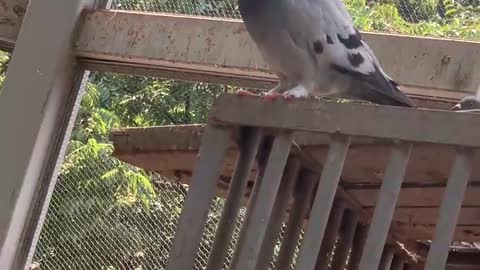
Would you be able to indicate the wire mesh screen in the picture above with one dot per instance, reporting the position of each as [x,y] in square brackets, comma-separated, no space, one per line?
[106,214]
[459,19]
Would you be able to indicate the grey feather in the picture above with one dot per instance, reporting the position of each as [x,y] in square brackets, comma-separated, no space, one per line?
[313,44]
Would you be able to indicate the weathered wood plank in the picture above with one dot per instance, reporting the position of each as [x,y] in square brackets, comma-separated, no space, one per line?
[331,234]
[429,216]
[450,210]
[254,228]
[205,45]
[249,142]
[384,210]
[359,240]
[416,196]
[285,192]
[303,194]
[397,263]
[347,232]
[418,125]
[387,258]
[215,143]
[322,204]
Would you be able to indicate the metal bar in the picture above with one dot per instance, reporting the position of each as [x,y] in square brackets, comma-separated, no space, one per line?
[260,208]
[331,234]
[387,200]
[248,147]
[450,210]
[387,258]
[290,176]
[358,245]
[303,194]
[44,106]
[347,232]
[397,263]
[215,142]
[322,204]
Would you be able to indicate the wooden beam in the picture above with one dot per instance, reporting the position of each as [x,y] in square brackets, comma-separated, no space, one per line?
[200,48]
[206,45]
[415,196]
[385,122]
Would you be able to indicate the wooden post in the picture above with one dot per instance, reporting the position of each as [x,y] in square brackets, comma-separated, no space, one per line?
[285,191]
[386,259]
[248,146]
[303,195]
[323,202]
[331,234]
[387,200]
[36,113]
[215,142]
[260,207]
[450,210]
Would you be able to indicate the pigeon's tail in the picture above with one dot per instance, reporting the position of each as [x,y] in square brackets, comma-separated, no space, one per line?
[380,89]
[392,96]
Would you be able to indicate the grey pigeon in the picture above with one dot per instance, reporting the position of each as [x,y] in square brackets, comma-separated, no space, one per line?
[313,48]
[467,103]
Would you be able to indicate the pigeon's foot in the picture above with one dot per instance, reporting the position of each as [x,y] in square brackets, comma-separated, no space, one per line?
[272,96]
[242,92]
[297,92]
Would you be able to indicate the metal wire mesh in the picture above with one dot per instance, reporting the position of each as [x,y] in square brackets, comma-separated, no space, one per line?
[458,19]
[106,214]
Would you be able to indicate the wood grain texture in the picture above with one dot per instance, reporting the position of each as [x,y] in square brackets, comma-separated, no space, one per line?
[223,47]
[384,122]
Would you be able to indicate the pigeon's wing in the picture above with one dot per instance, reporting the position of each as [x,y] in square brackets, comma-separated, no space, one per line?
[328,25]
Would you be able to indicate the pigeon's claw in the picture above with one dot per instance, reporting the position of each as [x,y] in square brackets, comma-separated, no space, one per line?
[272,96]
[242,92]
[296,92]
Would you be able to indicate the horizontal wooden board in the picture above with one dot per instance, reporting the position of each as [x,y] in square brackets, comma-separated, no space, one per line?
[415,196]
[385,122]
[429,215]
[223,46]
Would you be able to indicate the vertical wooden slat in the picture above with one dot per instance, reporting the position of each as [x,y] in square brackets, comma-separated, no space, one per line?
[303,195]
[325,194]
[386,259]
[385,207]
[262,158]
[261,206]
[331,234]
[279,210]
[450,210]
[347,232]
[397,263]
[357,249]
[248,146]
[215,142]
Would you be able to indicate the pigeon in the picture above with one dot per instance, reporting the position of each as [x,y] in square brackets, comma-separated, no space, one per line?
[467,103]
[314,49]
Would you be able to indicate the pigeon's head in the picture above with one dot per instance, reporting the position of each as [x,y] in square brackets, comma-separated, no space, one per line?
[467,103]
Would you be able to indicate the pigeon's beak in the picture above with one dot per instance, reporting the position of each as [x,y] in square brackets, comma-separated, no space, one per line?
[456,107]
